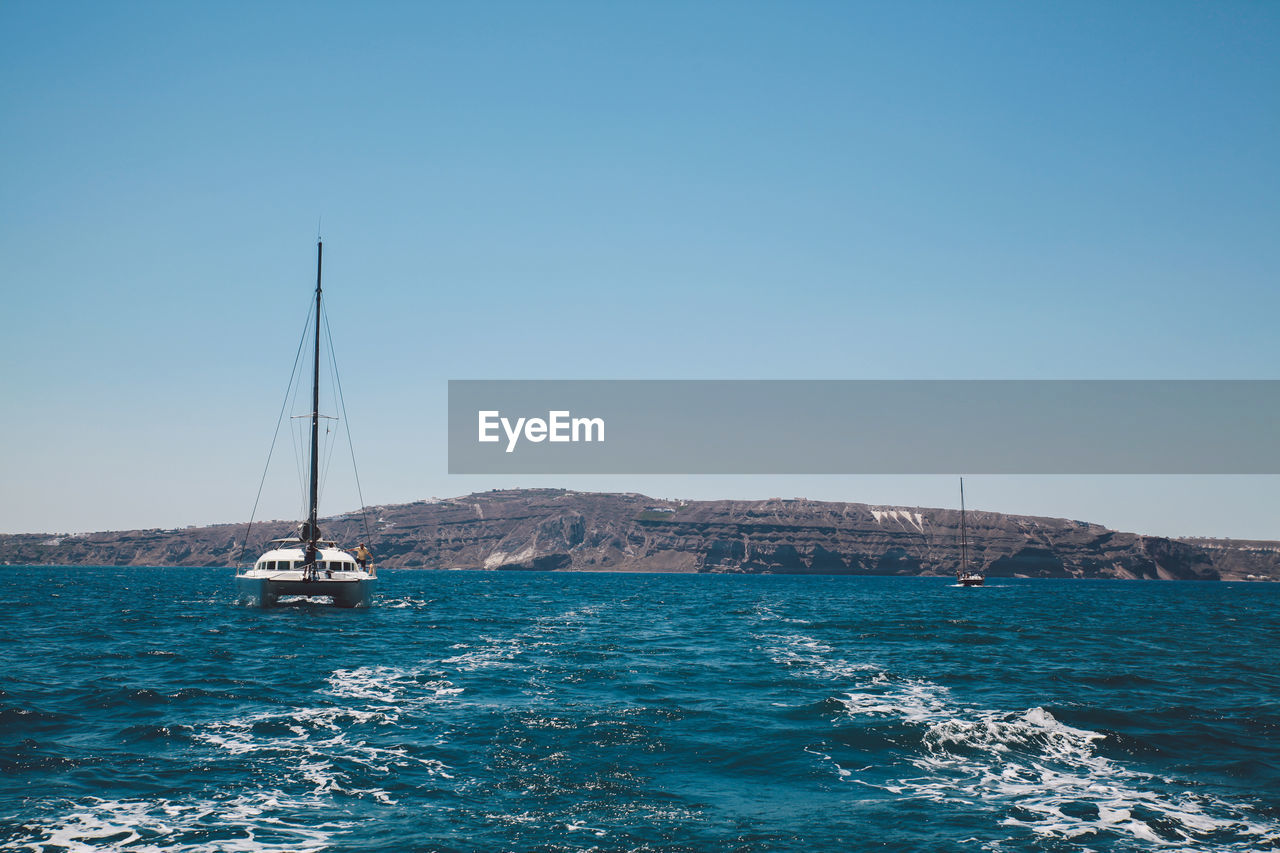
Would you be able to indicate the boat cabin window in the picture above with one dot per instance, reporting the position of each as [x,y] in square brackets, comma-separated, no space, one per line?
[269,565]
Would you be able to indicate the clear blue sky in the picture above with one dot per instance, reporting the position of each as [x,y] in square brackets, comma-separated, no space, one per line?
[615,190]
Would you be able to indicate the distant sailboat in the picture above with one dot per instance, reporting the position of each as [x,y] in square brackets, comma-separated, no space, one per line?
[965,577]
[307,565]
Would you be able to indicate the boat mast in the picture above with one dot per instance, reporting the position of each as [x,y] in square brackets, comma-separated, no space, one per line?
[313,530]
[964,538]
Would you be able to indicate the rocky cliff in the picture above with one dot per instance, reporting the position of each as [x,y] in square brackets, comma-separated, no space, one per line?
[545,529]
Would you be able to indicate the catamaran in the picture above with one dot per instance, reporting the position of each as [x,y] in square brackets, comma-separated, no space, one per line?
[308,564]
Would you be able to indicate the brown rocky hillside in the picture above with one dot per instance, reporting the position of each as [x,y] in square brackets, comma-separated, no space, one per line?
[546,529]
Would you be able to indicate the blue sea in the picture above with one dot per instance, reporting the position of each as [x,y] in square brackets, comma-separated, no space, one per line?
[144,709]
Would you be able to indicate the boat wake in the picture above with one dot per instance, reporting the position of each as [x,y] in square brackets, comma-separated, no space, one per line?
[1032,772]
[573,712]
[294,770]
[239,824]
[297,768]
[1056,783]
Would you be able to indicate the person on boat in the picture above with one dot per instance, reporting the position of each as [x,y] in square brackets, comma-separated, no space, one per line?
[362,556]
[309,561]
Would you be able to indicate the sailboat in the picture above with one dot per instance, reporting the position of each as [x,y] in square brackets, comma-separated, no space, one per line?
[965,577]
[308,564]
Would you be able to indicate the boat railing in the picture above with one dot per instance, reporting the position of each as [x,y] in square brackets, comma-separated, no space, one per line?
[294,540]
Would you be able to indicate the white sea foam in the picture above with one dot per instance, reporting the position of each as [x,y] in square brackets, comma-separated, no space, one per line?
[766,613]
[504,652]
[1045,776]
[319,747]
[314,736]
[1049,778]
[911,700]
[380,683]
[494,654]
[1040,767]
[408,602]
[578,826]
[97,824]
[390,686]
[810,657]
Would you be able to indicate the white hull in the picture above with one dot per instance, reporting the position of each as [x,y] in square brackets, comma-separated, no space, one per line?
[346,589]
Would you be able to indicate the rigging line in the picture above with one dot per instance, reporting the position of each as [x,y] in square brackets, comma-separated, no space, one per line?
[327,445]
[330,442]
[300,439]
[297,460]
[327,456]
[322,443]
[298,430]
[330,439]
[279,419]
[342,403]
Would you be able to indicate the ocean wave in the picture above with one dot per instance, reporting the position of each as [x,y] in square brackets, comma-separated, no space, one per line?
[533,712]
[242,824]
[1057,784]
[296,765]
[389,685]
[323,735]
[1043,775]
[769,613]
[495,654]
[505,652]
[809,657]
